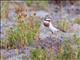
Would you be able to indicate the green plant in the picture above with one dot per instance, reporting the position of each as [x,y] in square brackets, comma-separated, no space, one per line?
[63,25]
[51,52]
[78,55]
[70,51]
[65,51]
[23,34]
[60,53]
[77,20]
[29,3]
[4,9]
[38,4]
[43,4]
[33,28]
[38,54]
[24,57]
[77,41]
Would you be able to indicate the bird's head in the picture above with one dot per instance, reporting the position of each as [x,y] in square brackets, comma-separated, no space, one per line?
[47,21]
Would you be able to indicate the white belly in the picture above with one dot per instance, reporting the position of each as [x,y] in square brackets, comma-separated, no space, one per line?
[52,28]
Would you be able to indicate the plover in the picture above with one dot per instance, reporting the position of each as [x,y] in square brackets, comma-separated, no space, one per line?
[47,23]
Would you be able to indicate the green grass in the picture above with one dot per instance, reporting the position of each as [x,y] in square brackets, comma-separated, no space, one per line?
[63,25]
[77,20]
[66,51]
[38,54]
[23,34]
[77,41]
[4,10]
[38,4]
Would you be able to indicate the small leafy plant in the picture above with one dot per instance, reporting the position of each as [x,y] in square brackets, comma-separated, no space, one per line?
[23,34]
[38,54]
[63,25]
[77,20]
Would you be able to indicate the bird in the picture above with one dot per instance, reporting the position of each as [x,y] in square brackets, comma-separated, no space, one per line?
[47,23]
